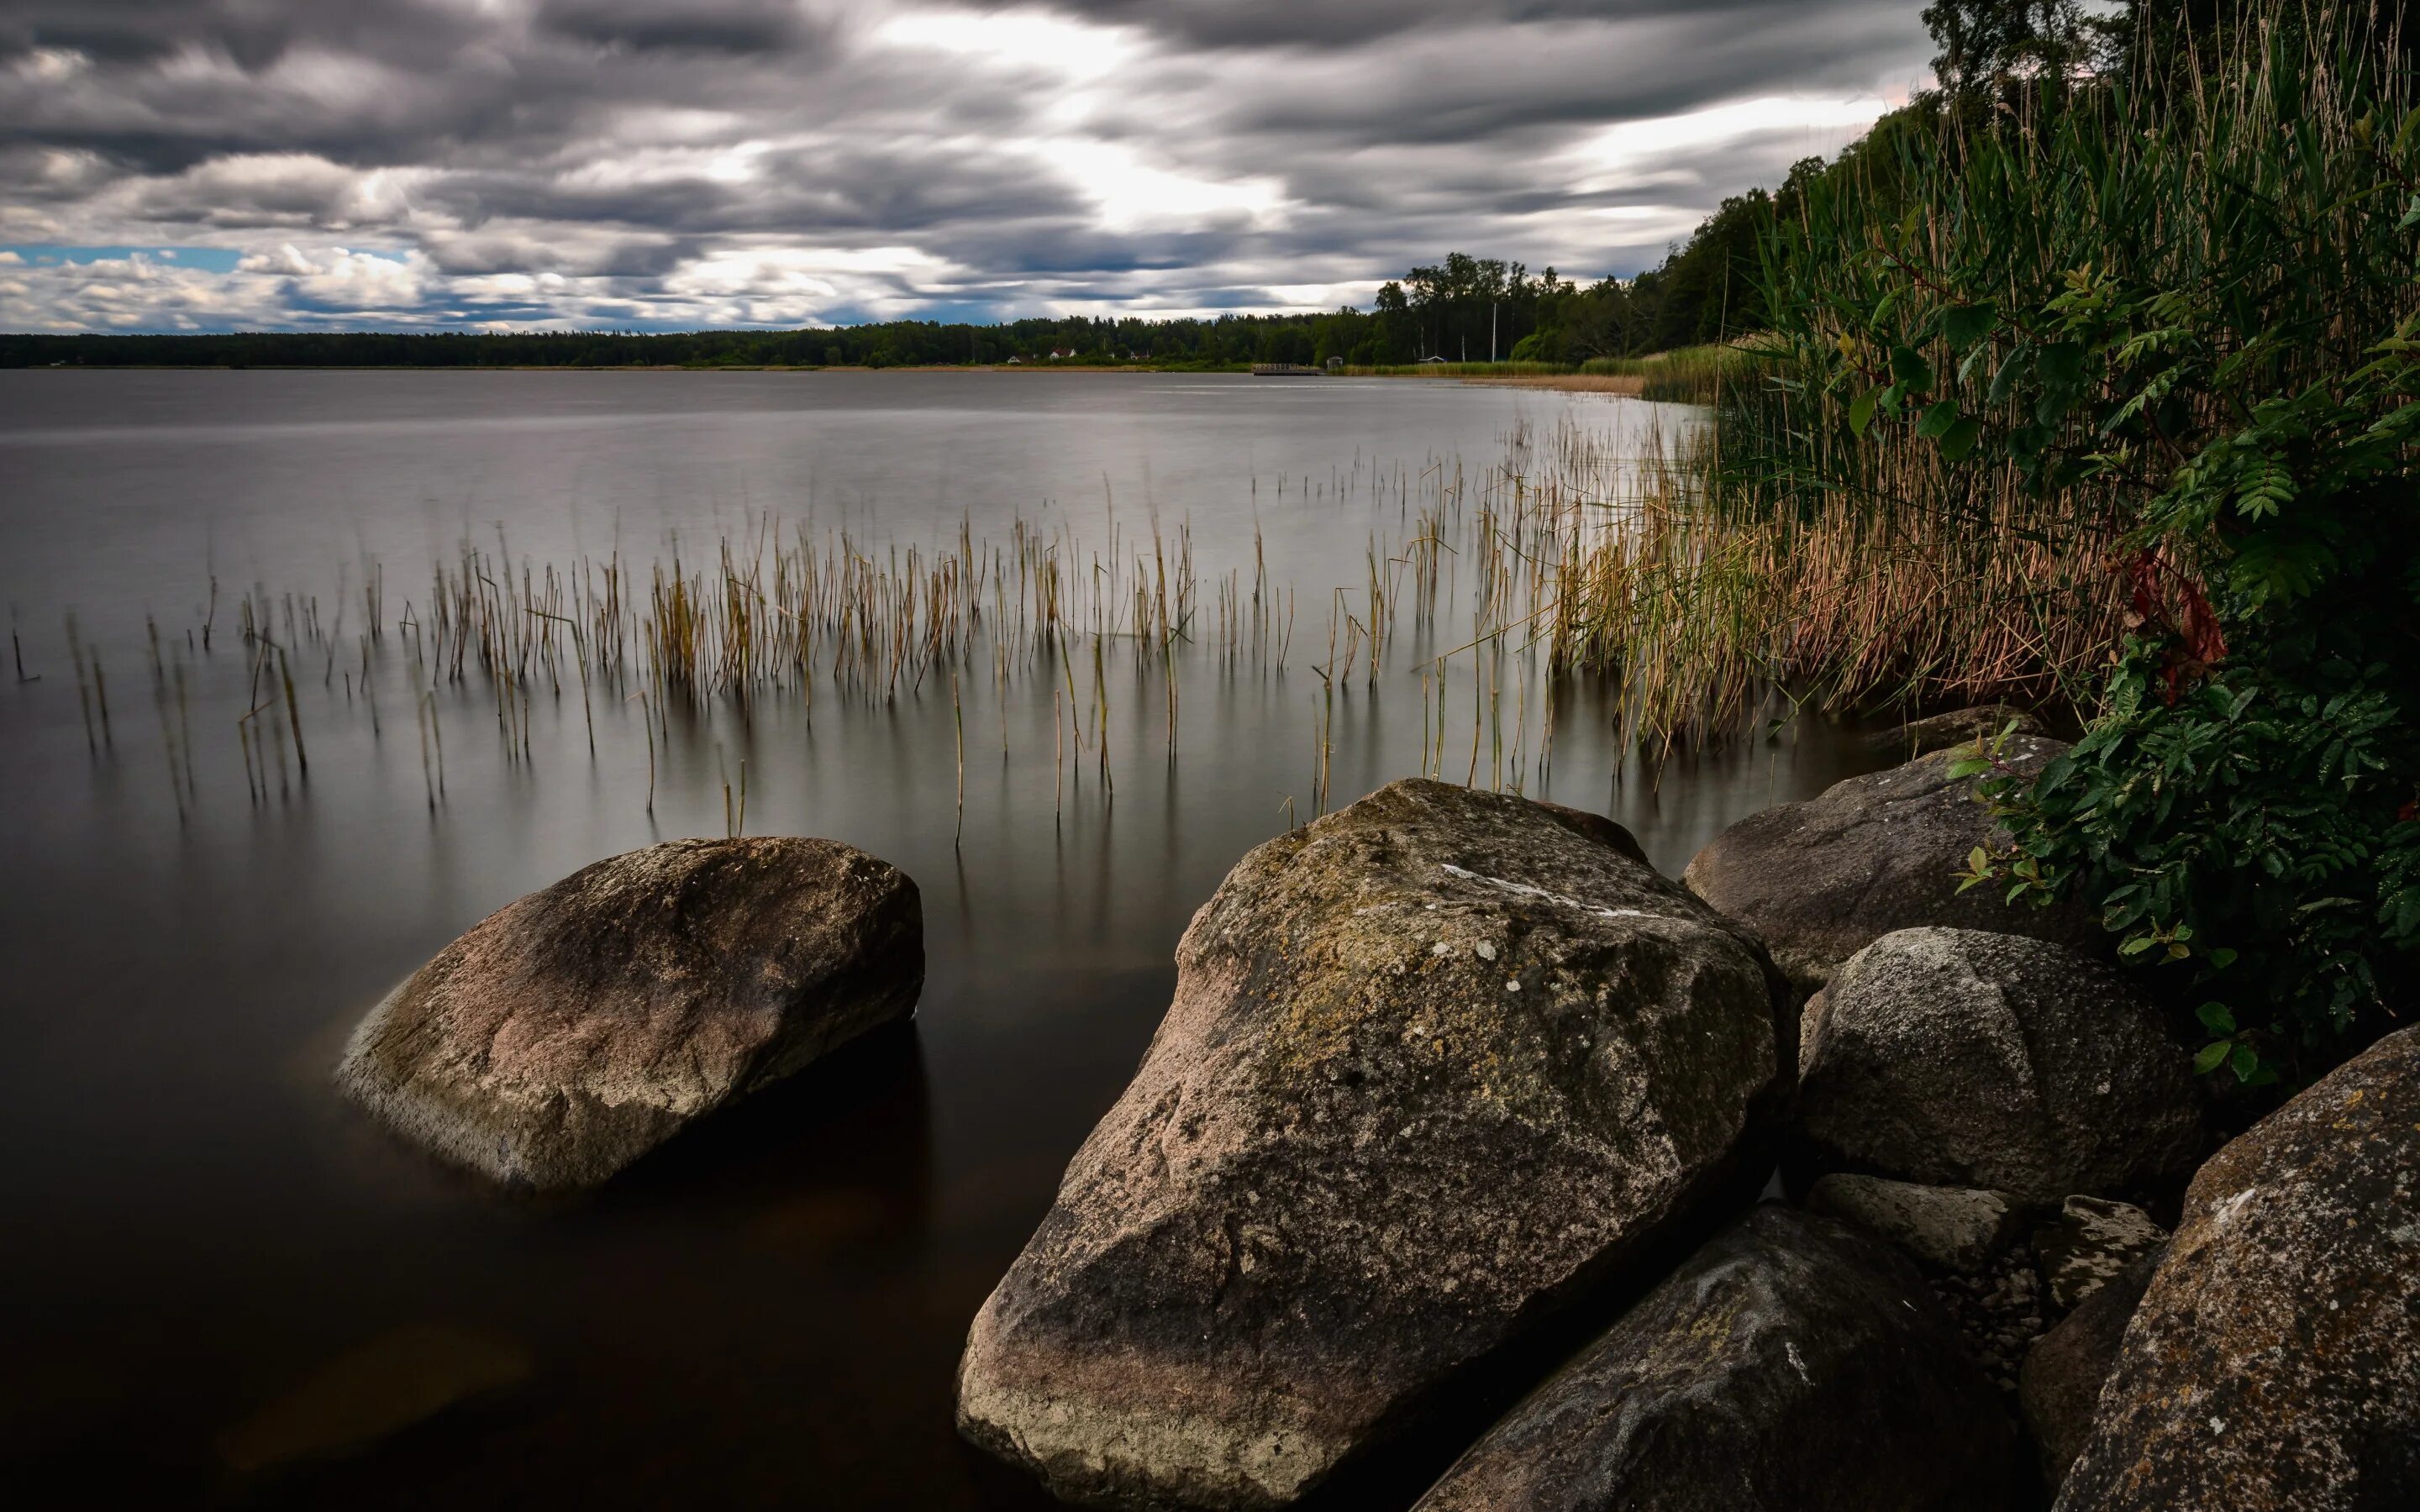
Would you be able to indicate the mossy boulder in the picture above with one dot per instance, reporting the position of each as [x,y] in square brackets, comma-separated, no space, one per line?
[576,1028]
[2273,1363]
[1792,1364]
[1822,880]
[1961,1058]
[1437,1066]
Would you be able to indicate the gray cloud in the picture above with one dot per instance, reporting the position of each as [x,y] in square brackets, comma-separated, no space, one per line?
[628,161]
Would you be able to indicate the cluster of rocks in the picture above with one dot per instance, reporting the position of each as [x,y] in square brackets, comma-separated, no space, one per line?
[1449,1076]
[1453,1136]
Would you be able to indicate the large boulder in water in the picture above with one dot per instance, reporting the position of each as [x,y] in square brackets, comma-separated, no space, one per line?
[2275,1361]
[1822,880]
[573,1030]
[1792,1364]
[1437,1066]
[1959,1058]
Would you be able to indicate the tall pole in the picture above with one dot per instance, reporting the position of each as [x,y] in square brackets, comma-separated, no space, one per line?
[1491,332]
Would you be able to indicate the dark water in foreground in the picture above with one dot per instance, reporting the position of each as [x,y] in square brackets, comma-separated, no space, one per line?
[767,1311]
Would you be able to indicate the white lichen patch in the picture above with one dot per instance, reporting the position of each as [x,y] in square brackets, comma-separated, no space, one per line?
[1523,889]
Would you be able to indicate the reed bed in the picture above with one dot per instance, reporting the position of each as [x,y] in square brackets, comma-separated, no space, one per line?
[1581,550]
[1699,598]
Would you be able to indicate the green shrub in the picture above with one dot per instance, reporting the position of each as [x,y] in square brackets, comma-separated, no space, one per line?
[2195,301]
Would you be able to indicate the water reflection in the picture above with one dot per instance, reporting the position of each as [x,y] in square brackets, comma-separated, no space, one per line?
[768,1308]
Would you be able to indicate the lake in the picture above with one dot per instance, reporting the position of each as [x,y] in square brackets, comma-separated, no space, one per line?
[770,1308]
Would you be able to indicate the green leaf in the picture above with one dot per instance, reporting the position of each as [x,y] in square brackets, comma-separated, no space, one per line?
[2220,959]
[2216,1017]
[2136,946]
[2061,364]
[1937,420]
[1969,323]
[2243,1061]
[1959,443]
[2410,215]
[1910,368]
[2211,1056]
[1861,413]
[2012,371]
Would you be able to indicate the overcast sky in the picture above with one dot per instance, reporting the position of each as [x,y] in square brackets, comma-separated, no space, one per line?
[208,164]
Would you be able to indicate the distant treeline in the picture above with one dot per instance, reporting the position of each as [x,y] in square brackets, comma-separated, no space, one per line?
[1463,309]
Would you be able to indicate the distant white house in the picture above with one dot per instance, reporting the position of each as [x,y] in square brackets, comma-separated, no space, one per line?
[1017,361]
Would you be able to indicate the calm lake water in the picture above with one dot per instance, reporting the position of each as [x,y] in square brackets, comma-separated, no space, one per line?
[768,1310]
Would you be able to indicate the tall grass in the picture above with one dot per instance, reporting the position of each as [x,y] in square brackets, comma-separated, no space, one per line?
[1700,604]
[1686,375]
[2239,205]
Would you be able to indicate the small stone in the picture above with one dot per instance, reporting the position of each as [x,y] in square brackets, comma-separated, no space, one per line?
[2091,1245]
[1953,1229]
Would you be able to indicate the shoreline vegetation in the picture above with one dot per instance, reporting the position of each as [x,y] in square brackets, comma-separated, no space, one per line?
[2120,330]
[2011,403]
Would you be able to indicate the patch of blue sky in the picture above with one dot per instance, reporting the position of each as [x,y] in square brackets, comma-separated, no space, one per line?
[207,259]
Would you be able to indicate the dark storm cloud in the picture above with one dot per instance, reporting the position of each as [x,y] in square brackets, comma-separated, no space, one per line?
[1343,23]
[715,160]
[694,25]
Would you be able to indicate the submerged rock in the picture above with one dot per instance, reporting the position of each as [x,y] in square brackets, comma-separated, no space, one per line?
[573,1030]
[1436,1065]
[2274,1362]
[1792,1364]
[401,1378]
[1963,1058]
[1950,1228]
[1822,880]
[2091,1244]
[2060,1384]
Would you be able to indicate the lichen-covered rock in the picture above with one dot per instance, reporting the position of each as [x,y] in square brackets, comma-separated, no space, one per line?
[573,1030]
[1437,1065]
[2091,1244]
[1822,880]
[2060,1382]
[1791,1364]
[2273,1365]
[1958,726]
[1597,828]
[1952,1227]
[1957,1057]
